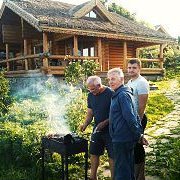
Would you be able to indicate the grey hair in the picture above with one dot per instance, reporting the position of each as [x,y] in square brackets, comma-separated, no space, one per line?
[95,80]
[118,71]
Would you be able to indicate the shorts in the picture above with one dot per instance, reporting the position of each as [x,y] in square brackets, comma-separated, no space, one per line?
[99,142]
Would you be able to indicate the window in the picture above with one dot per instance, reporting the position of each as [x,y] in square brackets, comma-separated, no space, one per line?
[91,14]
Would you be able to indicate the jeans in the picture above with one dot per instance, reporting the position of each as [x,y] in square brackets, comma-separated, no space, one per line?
[123,161]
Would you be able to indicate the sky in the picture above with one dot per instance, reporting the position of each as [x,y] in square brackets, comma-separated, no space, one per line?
[155,12]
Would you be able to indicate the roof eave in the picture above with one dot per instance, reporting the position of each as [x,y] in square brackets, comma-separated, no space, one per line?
[106,35]
[22,13]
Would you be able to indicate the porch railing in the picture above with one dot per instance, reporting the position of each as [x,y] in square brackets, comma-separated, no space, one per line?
[55,63]
[151,66]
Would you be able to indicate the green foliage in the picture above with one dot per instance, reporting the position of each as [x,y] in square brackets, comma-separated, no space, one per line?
[171,56]
[76,112]
[121,11]
[149,53]
[77,71]
[73,73]
[5,99]
[172,60]
[164,160]
[21,130]
[158,106]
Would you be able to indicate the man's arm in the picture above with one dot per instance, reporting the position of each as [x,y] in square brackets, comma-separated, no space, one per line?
[102,124]
[142,104]
[88,120]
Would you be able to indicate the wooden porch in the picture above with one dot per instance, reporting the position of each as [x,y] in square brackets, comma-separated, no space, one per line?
[56,64]
[108,54]
[37,45]
[56,51]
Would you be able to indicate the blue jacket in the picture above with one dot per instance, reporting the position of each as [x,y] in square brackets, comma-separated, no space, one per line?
[124,123]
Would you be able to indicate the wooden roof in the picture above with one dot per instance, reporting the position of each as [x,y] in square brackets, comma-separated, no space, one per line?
[55,16]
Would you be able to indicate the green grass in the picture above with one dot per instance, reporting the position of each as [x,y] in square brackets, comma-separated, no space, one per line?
[158,106]
[164,159]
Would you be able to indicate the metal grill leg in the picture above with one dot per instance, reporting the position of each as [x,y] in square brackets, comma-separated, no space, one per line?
[62,160]
[66,167]
[86,164]
[42,156]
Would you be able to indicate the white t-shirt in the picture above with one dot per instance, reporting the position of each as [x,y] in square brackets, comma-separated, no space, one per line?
[139,86]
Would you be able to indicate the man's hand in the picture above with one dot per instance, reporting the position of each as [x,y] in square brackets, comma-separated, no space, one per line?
[82,127]
[143,141]
[102,125]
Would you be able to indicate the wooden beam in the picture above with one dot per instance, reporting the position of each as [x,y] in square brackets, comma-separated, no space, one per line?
[137,52]
[75,45]
[100,53]
[45,49]
[161,56]
[124,55]
[25,53]
[7,56]
[105,35]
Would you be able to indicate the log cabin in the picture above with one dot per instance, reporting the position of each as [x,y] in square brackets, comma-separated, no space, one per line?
[43,36]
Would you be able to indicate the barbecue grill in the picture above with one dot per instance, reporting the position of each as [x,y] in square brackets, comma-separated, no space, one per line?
[65,145]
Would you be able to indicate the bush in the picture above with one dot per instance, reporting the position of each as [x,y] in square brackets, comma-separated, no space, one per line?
[77,71]
[164,161]
[5,99]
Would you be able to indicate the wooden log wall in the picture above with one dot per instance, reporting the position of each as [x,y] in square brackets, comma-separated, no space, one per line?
[11,34]
[112,52]
[131,50]
[29,32]
[58,48]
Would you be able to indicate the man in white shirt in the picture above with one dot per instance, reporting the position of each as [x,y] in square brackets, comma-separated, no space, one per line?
[140,88]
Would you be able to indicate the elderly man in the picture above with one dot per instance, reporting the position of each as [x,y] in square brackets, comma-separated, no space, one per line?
[124,125]
[99,100]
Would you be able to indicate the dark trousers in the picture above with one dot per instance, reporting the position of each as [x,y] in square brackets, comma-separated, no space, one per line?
[139,156]
[123,161]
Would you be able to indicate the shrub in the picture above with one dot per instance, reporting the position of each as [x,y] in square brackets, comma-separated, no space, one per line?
[5,99]
[77,71]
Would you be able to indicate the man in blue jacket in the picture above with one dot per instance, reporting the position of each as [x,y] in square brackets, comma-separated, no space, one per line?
[124,126]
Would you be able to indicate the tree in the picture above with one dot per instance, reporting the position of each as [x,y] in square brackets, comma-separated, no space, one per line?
[120,10]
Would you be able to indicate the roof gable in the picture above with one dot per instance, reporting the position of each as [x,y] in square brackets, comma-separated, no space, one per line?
[94,5]
[161,29]
[20,12]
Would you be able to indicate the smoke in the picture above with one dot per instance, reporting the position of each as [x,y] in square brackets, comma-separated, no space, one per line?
[53,96]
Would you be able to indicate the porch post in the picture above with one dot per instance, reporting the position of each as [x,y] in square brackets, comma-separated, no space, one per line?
[45,50]
[75,45]
[137,53]
[124,55]
[29,51]
[7,56]
[100,53]
[25,54]
[161,56]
